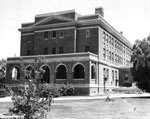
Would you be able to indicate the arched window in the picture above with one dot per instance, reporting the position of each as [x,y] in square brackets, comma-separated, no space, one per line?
[46,75]
[93,72]
[15,73]
[61,72]
[29,74]
[78,72]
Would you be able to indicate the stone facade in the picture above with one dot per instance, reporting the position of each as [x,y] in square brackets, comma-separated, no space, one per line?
[85,48]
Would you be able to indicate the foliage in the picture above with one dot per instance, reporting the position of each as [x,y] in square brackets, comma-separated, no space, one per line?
[3,91]
[2,70]
[29,103]
[28,100]
[141,64]
[58,90]
[35,98]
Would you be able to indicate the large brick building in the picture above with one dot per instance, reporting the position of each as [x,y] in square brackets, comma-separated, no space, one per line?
[83,50]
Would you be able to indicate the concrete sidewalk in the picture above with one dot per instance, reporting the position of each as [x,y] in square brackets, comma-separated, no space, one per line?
[63,98]
[102,96]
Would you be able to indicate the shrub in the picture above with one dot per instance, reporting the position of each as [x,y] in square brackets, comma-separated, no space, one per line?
[3,91]
[127,84]
[29,103]
[57,90]
[66,89]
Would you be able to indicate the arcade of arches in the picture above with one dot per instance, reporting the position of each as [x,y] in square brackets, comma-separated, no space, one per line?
[78,72]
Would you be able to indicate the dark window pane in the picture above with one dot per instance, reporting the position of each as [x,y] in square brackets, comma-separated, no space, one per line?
[46,75]
[45,51]
[46,34]
[78,72]
[93,72]
[53,34]
[61,34]
[87,48]
[53,50]
[61,50]
[61,72]
[28,52]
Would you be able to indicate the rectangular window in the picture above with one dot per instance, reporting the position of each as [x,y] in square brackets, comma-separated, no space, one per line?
[109,55]
[53,50]
[28,52]
[107,73]
[46,34]
[54,34]
[104,72]
[87,33]
[116,75]
[61,34]
[61,50]
[87,48]
[109,40]
[45,51]
[112,75]
[115,58]
[104,36]
[104,53]
[112,56]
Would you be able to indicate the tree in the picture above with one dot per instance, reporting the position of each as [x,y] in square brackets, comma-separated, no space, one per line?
[141,64]
[2,70]
[27,100]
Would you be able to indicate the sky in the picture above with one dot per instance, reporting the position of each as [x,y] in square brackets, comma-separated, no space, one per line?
[130,16]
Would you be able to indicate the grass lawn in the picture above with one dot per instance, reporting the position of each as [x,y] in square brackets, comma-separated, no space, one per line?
[127,108]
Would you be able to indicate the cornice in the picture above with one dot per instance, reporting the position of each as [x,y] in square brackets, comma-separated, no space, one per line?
[106,26]
[51,26]
[101,22]
[85,56]
[55,13]
[53,17]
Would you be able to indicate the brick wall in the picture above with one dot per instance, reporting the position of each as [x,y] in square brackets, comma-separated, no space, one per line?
[27,43]
[91,41]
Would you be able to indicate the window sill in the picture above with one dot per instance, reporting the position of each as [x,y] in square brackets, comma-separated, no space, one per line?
[45,38]
[53,37]
[79,79]
[61,79]
[61,37]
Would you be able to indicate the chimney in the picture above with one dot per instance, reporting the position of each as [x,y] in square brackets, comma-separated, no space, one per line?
[100,11]
[121,32]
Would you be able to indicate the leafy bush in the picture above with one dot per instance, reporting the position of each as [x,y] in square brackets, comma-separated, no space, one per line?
[66,89]
[57,90]
[16,89]
[35,98]
[3,91]
[127,84]
[29,103]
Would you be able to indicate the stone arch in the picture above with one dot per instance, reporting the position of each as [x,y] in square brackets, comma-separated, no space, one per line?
[15,72]
[46,75]
[59,65]
[61,71]
[78,71]
[77,64]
